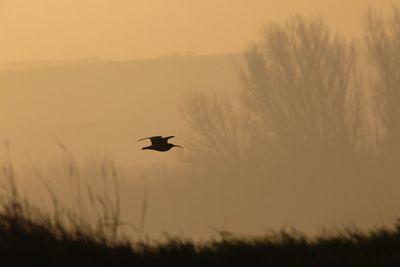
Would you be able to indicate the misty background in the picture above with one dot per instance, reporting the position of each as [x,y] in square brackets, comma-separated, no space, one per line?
[287,120]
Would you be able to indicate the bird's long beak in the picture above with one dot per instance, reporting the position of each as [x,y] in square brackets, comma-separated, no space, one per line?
[179,146]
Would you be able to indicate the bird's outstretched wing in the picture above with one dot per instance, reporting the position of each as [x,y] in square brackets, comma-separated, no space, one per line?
[168,137]
[158,140]
[151,137]
[154,139]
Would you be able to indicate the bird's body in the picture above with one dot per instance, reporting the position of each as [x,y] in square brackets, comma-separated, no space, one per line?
[159,143]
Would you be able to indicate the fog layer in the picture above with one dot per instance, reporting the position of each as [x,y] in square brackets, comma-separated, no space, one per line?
[300,129]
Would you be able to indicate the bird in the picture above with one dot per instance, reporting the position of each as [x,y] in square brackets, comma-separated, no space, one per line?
[159,143]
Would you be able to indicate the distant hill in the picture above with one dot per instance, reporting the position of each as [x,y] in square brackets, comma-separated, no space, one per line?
[95,105]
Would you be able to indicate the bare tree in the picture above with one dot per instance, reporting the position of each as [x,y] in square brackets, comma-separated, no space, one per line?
[297,78]
[301,102]
[383,42]
[218,129]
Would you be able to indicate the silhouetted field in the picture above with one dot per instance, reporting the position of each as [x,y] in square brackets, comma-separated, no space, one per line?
[31,238]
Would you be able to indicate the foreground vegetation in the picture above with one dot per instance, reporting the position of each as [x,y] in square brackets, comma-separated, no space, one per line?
[29,237]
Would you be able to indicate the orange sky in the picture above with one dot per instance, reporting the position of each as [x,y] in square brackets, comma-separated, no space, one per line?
[102,109]
[128,29]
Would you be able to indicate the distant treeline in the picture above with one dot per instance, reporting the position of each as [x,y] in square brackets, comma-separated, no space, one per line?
[305,103]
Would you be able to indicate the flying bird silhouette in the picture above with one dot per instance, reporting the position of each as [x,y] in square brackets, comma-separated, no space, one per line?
[159,143]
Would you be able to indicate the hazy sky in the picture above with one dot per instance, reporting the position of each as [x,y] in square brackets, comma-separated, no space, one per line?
[128,29]
[97,109]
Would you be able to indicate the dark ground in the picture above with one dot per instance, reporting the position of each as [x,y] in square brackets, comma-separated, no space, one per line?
[29,238]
